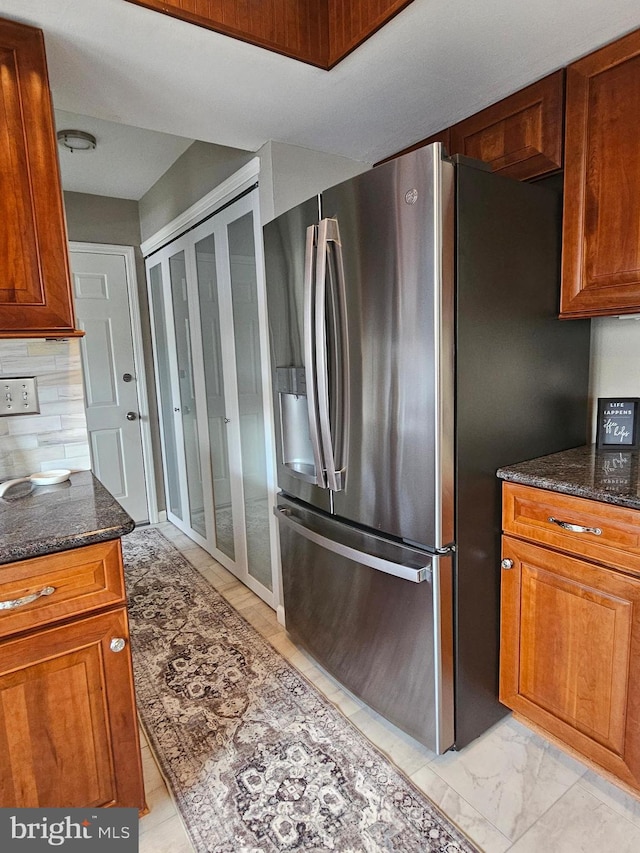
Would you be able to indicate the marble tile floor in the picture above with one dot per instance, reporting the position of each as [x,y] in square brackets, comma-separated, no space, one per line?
[510,790]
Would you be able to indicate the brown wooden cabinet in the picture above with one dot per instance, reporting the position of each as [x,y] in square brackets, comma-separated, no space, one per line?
[570,624]
[68,728]
[601,249]
[35,282]
[520,136]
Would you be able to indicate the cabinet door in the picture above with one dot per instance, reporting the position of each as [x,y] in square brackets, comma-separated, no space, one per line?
[35,284]
[601,250]
[570,640]
[520,136]
[68,730]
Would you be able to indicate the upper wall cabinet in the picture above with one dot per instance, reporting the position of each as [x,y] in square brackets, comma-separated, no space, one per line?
[35,284]
[601,239]
[520,136]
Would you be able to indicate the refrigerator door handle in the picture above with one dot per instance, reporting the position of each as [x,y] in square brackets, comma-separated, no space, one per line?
[310,356]
[329,233]
[416,575]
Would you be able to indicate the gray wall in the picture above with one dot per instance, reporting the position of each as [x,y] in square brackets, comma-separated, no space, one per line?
[98,219]
[290,174]
[615,360]
[199,170]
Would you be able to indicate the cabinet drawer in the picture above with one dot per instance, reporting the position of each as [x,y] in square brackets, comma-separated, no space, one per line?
[605,533]
[81,580]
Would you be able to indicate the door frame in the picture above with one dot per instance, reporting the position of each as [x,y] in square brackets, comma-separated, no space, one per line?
[135,323]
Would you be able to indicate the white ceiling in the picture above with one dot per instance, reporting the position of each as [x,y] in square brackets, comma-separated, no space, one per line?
[432,65]
[126,162]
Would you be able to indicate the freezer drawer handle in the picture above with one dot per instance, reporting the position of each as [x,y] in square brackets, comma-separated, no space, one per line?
[396,569]
[575,528]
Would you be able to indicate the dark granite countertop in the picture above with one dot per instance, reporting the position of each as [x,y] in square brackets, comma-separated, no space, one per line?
[601,475]
[40,520]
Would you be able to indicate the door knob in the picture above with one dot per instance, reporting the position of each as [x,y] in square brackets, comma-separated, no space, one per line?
[127,377]
[131,416]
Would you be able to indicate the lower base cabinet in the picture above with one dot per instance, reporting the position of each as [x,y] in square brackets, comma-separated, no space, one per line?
[570,647]
[68,727]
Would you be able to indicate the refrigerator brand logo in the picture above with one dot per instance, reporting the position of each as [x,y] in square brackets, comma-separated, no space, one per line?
[42,829]
[411,196]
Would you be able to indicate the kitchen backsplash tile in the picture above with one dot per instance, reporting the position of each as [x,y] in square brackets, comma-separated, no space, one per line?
[57,437]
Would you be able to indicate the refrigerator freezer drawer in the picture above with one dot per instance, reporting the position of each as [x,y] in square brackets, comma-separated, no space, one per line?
[386,639]
[412,565]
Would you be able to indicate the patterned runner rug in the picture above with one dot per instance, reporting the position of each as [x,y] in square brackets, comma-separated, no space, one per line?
[256,758]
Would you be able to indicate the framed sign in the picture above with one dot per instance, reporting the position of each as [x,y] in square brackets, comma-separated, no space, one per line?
[618,423]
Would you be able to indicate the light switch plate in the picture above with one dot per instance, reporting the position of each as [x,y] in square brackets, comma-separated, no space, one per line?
[18,396]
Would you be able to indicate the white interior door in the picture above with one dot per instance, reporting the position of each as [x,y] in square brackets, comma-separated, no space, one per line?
[112,376]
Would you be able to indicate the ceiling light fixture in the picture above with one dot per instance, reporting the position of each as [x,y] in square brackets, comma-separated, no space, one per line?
[76,140]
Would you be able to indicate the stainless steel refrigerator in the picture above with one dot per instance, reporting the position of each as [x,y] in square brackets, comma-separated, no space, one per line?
[415,349]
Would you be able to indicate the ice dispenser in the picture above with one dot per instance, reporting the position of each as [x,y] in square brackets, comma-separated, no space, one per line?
[297,449]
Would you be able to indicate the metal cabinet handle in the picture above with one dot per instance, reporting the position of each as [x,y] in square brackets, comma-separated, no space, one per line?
[20,602]
[507,564]
[117,644]
[575,528]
